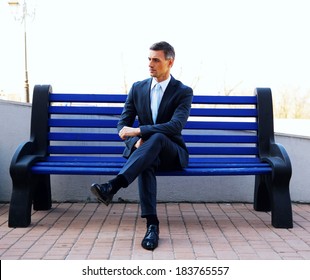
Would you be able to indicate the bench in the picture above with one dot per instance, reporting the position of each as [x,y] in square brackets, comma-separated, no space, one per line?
[76,134]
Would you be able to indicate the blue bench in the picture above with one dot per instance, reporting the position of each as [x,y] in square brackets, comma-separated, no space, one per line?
[76,134]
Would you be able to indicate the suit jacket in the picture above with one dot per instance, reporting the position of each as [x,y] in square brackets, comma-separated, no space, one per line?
[172,114]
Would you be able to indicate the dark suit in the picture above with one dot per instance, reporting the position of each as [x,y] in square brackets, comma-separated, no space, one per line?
[164,147]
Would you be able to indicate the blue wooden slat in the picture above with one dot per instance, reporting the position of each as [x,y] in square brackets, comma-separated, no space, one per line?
[120,164]
[79,136]
[83,123]
[220,171]
[88,98]
[71,136]
[74,170]
[223,150]
[186,172]
[75,158]
[192,160]
[219,112]
[230,159]
[220,138]
[78,110]
[81,164]
[221,125]
[119,150]
[215,99]
[120,98]
[85,150]
[189,125]
[228,165]
[214,112]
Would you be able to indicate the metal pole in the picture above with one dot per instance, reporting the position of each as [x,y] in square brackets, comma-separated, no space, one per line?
[23,18]
[25,53]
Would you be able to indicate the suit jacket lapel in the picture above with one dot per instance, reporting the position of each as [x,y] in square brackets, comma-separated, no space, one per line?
[146,91]
[166,97]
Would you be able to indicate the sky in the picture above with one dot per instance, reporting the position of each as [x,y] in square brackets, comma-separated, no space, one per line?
[102,46]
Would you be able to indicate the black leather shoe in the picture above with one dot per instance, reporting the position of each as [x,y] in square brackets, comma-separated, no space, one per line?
[102,192]
[150,240]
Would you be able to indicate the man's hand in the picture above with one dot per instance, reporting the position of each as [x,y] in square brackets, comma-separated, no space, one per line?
[127,131]
[139,143]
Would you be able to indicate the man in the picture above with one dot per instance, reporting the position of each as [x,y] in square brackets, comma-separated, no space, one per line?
[162,105]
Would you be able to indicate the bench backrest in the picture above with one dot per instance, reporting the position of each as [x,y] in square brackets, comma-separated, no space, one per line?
[85,124]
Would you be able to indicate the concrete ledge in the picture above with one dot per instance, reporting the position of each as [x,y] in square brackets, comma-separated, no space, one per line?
[170,189]
[15,129]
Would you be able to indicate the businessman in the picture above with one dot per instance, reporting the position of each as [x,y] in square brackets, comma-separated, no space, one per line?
[162,105]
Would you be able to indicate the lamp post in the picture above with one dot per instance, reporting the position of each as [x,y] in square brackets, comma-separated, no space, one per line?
[15,5]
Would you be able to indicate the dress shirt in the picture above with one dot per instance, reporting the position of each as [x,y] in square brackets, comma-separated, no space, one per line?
[163,86]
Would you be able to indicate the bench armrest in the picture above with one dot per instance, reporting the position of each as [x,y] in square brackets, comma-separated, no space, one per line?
[34,150]
[24,157]
[279,160]
[269,151]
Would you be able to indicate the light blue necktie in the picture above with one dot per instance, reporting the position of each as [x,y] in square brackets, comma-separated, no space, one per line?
[155,100]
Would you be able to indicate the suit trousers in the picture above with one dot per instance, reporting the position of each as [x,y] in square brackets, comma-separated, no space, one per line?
[156,153]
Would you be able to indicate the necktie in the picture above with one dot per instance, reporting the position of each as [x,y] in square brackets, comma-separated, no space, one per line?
[155,101]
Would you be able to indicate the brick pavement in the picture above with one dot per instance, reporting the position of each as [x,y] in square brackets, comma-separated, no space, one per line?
[215,231]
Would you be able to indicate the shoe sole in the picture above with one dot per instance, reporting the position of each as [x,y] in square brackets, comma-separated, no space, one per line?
[150,248]
[95,192]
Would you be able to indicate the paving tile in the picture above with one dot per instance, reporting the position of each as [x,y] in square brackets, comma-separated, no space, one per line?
[213,231]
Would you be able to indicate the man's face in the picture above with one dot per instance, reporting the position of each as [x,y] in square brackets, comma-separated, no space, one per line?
[159,67]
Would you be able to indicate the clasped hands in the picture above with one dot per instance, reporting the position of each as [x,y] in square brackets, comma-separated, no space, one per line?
[127,131]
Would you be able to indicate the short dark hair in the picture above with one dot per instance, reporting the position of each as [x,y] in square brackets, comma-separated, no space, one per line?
[165,47]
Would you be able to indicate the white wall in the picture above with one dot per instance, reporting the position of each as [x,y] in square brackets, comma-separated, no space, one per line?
[15,129]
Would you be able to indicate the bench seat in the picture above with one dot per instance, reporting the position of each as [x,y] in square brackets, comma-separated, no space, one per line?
[112,166]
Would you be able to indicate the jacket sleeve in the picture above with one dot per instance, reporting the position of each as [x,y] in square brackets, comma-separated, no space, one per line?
[127,118]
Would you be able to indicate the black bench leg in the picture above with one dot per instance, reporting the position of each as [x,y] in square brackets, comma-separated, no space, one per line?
[261,194]
[36,190]
[274,196]
[281,206]
[20,206]
[42,193]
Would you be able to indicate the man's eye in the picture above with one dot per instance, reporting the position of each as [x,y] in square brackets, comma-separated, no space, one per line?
[154,59]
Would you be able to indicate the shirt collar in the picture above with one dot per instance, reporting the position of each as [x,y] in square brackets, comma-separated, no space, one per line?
[163,84]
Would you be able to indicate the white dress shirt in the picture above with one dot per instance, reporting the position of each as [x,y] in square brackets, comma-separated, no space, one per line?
[160,94]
